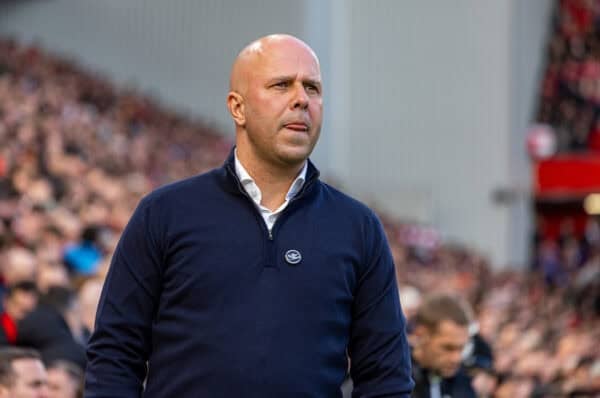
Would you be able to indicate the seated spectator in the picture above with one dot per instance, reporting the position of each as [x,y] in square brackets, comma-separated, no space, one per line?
[485,383]
[85,256]
[440,334]
[17,265]
[22,374]
[19,300]
[52,275]
[54,328]
[65,380]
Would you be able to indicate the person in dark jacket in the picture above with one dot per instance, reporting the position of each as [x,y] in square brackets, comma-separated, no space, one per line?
[22,374]
[440,334]
[255,279]
[49,329]
[19,300]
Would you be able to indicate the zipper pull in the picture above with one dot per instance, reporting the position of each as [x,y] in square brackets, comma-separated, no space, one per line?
[270,234]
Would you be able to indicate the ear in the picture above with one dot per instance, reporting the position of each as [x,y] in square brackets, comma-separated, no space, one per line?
[235,104]
[420,334]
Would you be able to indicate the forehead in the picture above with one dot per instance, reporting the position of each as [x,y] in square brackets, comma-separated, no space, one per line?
[286,58]
[451,332]
[59,377]
[28,369]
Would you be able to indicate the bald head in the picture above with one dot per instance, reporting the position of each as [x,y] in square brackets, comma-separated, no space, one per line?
[18,265]
[256,52]
[276,103]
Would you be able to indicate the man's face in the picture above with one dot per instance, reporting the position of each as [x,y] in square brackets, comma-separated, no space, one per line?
[29,379]
[61,384]
[442,348]
[20,303]
[283,103]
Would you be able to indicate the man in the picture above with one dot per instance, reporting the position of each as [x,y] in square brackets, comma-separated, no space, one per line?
[64,380]
[440,334]
[255,279]
[52,275]
[16,265]
[54,328]
[19,300]
[22,374]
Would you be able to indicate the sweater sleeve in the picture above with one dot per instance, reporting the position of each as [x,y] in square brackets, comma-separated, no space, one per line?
[120,345]
[378,348]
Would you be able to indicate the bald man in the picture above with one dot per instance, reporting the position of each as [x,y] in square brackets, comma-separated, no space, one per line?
[255,279]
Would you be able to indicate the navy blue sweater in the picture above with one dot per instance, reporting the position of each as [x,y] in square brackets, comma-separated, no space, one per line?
[202,300]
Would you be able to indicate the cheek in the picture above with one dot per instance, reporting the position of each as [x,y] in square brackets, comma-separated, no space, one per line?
[316,109]
[440,352]
[262,113]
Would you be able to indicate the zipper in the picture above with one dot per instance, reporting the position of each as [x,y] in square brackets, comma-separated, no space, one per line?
[257,211]
[257,214]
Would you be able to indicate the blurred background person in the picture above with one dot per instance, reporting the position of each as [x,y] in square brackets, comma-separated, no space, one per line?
[16,265]
[54,328]
[65,380]
[22,374]
[439,337]
[19,300]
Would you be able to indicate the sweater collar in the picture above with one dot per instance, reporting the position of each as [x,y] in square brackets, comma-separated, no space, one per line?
[233,184]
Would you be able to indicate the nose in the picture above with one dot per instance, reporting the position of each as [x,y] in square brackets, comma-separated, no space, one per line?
[300,97]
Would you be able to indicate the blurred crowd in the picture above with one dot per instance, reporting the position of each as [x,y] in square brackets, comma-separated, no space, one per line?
[570,92]
[540,334]
[77,154]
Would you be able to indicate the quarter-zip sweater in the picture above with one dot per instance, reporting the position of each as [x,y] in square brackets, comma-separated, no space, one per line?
[203,301]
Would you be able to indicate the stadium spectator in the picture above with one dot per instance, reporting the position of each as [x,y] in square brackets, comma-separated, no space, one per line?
[570,94]
[19,300]
[22,374]
[54,328]
[439,337]
[17,265]
[65,380]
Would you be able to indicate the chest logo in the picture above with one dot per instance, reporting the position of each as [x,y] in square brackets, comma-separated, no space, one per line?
[293,256]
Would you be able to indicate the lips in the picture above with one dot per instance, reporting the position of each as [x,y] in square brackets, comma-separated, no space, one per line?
[297,126]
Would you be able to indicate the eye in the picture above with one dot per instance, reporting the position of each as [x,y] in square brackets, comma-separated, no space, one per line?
[312,88]
[282,84]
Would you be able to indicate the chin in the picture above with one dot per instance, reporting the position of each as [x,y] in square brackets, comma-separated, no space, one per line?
[293,161]
[294,156]
[448,372]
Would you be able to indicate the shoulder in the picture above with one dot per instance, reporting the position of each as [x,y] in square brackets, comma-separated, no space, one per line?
[461,384]
[346,204]
[192,187]
[352,219]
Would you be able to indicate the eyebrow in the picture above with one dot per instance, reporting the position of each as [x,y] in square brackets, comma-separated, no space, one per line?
[291,78]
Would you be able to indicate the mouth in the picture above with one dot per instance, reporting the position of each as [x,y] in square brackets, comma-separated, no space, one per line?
[297,126]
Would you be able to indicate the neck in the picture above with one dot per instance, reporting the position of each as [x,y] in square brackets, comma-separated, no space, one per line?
[274,181]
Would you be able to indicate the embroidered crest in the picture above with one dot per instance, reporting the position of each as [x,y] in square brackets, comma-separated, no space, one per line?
[293,257]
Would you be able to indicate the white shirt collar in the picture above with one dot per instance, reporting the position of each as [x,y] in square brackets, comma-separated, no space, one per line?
[254,191]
